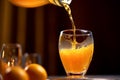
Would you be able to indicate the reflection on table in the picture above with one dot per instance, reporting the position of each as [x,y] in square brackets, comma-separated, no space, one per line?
[88,77]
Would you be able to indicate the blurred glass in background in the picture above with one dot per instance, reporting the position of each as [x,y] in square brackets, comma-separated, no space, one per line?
[29,58]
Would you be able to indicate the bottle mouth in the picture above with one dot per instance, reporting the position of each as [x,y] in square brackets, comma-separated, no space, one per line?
[65,1]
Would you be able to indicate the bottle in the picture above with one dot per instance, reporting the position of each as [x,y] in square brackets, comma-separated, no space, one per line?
[37,3]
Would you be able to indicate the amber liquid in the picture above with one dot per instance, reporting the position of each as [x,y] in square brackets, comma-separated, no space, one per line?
[76,61]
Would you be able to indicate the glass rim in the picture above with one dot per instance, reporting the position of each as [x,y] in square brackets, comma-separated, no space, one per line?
[11,44]
[83,32]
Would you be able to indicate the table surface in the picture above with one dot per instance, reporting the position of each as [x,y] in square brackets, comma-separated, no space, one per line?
[88,77]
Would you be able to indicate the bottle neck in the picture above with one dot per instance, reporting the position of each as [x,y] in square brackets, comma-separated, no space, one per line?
[60,2]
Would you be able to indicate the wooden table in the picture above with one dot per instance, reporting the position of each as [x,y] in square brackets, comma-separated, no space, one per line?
[88,77]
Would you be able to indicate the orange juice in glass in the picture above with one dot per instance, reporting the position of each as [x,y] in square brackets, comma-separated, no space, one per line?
[76,51]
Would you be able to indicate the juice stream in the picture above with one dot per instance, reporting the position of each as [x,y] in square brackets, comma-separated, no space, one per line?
[67,8]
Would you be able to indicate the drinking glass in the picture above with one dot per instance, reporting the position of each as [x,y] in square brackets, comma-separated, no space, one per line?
[29,58]
[11,54]
[76,50]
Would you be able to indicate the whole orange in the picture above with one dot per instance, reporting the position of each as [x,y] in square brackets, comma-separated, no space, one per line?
[15,73]
[36,72]
[3,67]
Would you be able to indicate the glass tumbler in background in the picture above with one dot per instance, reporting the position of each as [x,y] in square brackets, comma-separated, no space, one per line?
[29,58]
[11,54]
[76,50]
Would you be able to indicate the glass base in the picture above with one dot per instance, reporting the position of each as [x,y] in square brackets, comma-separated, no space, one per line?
[76,75]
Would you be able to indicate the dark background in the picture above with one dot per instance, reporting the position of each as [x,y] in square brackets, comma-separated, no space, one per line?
[99,16]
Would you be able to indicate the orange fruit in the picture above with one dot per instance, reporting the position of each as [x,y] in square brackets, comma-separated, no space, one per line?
[3,67]
[36,72]
[15,73]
